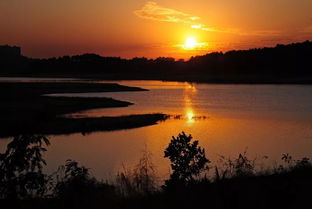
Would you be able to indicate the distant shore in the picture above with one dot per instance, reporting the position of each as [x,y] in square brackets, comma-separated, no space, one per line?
[282,64]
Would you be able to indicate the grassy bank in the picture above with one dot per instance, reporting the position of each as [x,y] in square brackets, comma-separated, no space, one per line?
[25,109]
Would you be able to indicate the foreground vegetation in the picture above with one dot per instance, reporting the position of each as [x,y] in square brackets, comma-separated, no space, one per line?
[25,109]
[195,182]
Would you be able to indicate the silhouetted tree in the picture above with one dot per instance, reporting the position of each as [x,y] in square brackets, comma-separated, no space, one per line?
[21,167]
[188,159]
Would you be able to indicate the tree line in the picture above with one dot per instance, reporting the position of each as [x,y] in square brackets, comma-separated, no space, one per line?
[282,63]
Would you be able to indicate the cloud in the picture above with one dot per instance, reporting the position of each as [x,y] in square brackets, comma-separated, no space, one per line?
[152,11]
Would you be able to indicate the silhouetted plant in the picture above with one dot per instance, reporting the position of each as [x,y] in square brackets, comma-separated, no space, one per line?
[288,163]
[74,182]
[69,177]
[287,158]
[241,166]
[21,167]
[188,159]
[303,163]
[140,180]
[292,164]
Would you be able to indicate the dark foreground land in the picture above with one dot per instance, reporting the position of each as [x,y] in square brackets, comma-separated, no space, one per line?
[236,184]
[289,190]
[25,109]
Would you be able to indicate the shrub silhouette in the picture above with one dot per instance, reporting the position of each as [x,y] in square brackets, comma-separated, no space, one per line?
[74,182]
[21,167]
[188,160]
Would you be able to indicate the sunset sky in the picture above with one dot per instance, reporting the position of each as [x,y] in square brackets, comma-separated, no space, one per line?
[136,28]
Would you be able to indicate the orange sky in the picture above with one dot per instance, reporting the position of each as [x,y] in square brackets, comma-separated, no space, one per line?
[130,28]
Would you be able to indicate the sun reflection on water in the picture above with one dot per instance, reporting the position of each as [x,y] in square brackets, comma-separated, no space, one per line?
[190,116]
[189,91]
[191,87]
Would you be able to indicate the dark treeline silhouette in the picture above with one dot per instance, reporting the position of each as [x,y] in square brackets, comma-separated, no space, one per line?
[236,183]
[281,64]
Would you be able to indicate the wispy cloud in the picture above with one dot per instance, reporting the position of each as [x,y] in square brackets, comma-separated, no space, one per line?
[152,11]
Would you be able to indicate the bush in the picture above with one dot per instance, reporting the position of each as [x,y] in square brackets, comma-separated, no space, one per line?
[188,160]
[73,182]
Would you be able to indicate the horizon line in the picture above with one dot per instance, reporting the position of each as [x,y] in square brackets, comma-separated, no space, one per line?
[175,58]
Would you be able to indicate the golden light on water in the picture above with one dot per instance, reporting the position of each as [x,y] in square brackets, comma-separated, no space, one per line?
[190,116]
[189,91]
[191,87]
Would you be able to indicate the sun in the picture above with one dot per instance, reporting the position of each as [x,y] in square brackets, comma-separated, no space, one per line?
[190,43]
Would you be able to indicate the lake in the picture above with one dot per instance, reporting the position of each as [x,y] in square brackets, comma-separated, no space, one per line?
[265,120]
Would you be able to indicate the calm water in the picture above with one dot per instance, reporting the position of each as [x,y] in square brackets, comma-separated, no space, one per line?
[226,119]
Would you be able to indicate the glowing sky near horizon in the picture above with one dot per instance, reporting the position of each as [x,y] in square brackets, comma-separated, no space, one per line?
[136,28]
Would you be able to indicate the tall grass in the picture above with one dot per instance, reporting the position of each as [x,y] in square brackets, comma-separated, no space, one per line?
[140,180]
